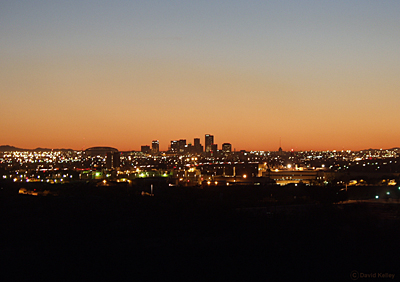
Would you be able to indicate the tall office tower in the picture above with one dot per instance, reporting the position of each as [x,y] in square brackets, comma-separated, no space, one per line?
[155,146]
[197,146]
[227,148]
[113,160]
[174,146]
[209,141]
[145,149]
[116,159]
[189,148]
[182,145]
[214,150]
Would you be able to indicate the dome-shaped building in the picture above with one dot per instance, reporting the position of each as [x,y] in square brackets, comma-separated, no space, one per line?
[98,155]
[99,151]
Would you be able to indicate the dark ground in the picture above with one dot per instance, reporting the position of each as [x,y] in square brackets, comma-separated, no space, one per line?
[193,236]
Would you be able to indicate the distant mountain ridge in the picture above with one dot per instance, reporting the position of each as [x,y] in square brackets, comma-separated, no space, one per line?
[8,148]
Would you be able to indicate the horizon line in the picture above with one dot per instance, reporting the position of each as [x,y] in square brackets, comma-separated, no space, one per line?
[43,148]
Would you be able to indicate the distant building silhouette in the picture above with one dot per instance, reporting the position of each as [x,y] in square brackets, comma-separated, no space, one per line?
[189,148]
[174,146]
[145,149]
[214,150]
[198,148]
[99,151]
[155,147]
[182,146]
[227,148]
[113,160]
[209,141]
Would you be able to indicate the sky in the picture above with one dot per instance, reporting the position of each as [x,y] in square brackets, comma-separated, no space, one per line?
[317,75]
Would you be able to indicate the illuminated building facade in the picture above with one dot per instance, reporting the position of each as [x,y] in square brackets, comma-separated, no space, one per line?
[214,150]
[174,146]
[209,141]
[227,148]
[182,146]
[155,146]
[113,160]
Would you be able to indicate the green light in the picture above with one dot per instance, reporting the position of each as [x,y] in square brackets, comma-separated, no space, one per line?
[387,193]
[376,197]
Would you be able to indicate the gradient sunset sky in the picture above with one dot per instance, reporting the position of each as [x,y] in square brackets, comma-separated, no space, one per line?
[320,75]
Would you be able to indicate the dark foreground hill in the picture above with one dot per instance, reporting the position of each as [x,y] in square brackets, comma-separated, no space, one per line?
[188,237]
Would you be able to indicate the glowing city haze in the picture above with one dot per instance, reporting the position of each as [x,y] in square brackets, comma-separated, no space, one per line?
[317,74]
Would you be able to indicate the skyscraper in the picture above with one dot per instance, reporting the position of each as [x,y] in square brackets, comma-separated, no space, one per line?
[197,146]
[214,150]
[113,160]
[155,146]
[174,146]
[182,146]
[209,140]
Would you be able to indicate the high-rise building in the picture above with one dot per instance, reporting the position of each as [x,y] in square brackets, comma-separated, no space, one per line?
[227,148]
[209,140]
[182,145]
[155,146]
[174,146]
[145,149]
[214,150]
[113,160]
[197,146]
[109,160]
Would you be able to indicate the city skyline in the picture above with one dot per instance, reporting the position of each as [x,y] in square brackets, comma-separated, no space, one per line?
[168,144]
[321,76]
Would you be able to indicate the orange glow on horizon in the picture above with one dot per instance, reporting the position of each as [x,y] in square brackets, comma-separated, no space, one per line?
[122,84]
